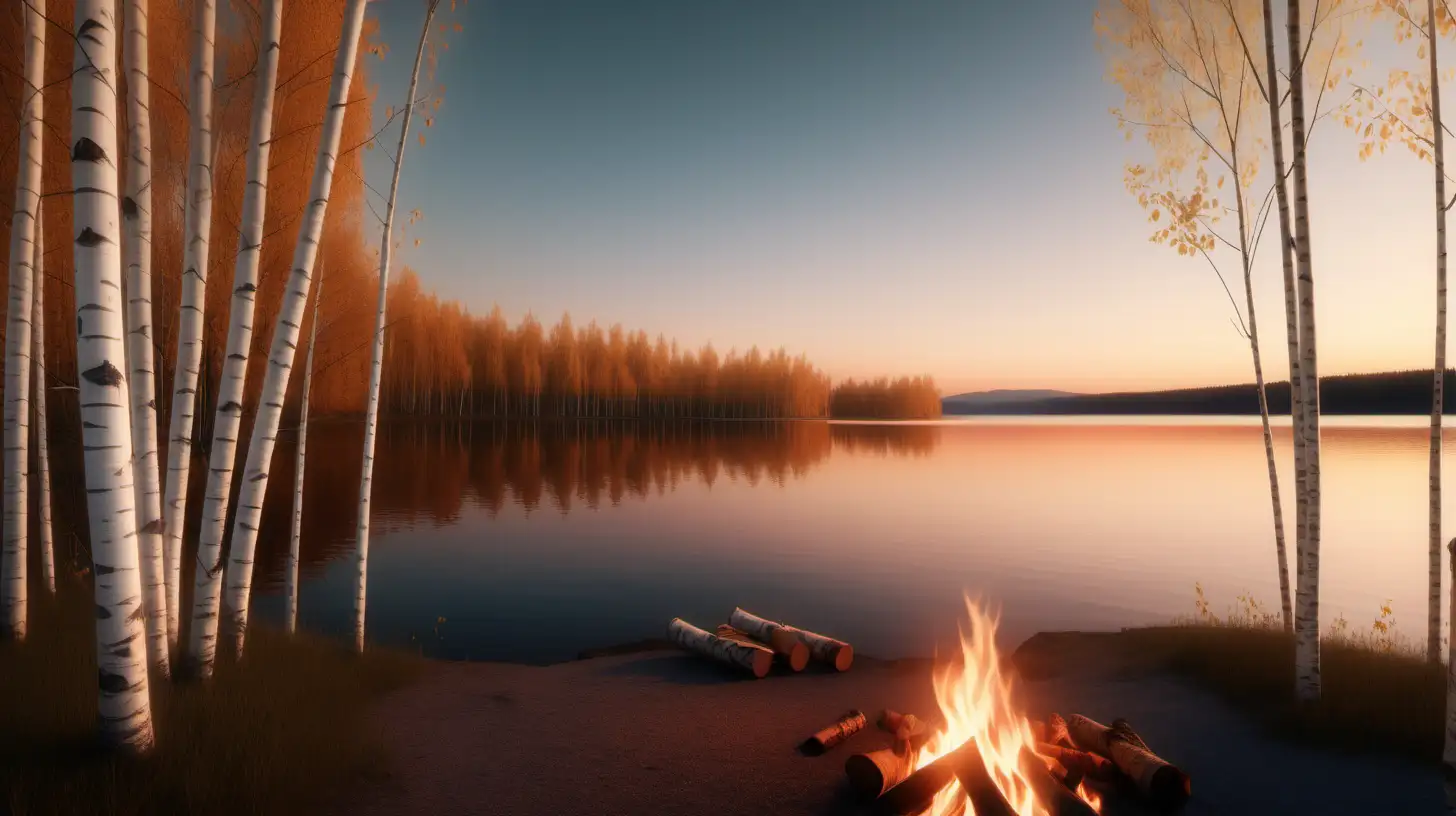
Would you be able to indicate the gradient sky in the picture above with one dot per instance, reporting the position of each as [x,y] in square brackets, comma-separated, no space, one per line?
[890,187]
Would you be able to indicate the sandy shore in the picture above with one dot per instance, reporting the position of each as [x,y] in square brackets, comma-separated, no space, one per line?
[664,733]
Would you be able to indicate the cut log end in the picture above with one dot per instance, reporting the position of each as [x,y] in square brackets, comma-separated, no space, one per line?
[843,658]
[1170,787]
[762,664]
[871,774]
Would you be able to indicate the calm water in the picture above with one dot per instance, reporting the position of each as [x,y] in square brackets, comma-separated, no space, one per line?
[536,542]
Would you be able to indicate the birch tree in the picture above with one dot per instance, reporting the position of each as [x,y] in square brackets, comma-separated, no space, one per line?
[285,342]
[227,424]
[42,462]
[376,360]
[1192,94]
[124,705]
[197,231]
[136,211]
[1407,111]
[296,534]
[17,325]
[1306,612]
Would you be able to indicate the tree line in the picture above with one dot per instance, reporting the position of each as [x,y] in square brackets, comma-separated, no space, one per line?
[441,361]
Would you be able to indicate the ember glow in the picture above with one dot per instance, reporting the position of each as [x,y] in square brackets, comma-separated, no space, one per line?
[976,703]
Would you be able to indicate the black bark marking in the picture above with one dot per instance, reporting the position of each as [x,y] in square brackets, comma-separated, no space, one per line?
[104,375]
[89,424]
[231,408]
[248,287]
[112,683]
[136,614]
[258,477]
[242,357]
[102,569]
[102,613]
[91,238]
[156,525]
[87,150]
[129,207]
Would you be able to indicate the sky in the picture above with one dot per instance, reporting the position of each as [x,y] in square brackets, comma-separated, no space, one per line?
[927,186]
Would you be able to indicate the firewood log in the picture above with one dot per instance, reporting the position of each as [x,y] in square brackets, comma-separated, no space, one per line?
[915,792]
[872,774]
[1080,764]
[1155,778]
[791,651]
[755,659]
[980,788]
[836,653]
[831,735]
[1050,791]
[909,731]
[1056,731]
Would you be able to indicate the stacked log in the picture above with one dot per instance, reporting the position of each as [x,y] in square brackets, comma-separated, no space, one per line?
[791,651]
[1160,781]
[751,657]
[823,649]
[831,735]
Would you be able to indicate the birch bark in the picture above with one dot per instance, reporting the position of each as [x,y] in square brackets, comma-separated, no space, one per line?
[124,706]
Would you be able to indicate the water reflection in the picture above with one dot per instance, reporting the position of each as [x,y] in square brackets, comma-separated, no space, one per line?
[428,474]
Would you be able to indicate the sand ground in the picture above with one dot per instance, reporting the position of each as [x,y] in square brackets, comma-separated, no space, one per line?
[664,733]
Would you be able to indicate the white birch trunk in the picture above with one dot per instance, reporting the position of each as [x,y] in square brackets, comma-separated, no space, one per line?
[296,536]
[42,463]
[228,419]
[136,212]
[285,337]
[1433,618]
[836,653]
[376,356]
[124,707]
[1306,612]
[757,660]
[197,229]
[1246,260]
[1291,313]
[17,327]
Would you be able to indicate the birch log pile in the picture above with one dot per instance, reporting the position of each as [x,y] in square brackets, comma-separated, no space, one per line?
[836,653]
[793,652]
[753,658]
[1156,778]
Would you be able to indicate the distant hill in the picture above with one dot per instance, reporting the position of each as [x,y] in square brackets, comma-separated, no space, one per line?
[1392,393]
[1003,396]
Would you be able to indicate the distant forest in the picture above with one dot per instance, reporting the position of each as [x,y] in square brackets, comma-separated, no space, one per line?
[441,361]
[1389,393]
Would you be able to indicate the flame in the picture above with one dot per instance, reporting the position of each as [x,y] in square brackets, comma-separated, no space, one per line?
[975,699]
[1090,797]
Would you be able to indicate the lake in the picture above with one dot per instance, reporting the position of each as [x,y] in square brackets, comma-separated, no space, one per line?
[534,542]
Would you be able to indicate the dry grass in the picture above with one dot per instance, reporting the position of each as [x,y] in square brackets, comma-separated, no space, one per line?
[1378,692]
[282,731]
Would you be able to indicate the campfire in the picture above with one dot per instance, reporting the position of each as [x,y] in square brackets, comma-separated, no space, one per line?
[980,754]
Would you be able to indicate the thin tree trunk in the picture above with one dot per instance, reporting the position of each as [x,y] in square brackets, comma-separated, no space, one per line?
[124,706]
[1291,315]
[296,535]
[285,332]
[136,212]
[1433,619]
[1246,260]
[38,382]
[228,418]
[17,328]
[376,356]
[1306,613]
[197,229]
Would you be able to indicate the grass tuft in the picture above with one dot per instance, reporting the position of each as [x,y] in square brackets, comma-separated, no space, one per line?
[282,731]
[1378,692]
